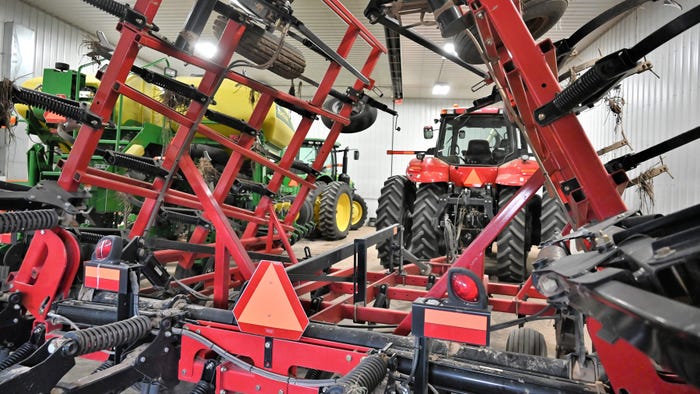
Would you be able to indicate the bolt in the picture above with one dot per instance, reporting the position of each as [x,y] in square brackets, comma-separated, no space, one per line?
[168,334]
[489,41]
[142,359]
[267,345]
[32,197]
[198,331]
[42,232]
[257,387]
[223,369]
[15,320]
[16,307]
[184,372]
[348,358]
[166,349]
[222,391]
[280,391]
[541,117]
[480,15]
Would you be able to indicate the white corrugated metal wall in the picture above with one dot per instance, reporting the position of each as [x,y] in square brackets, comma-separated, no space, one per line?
[655,108]
[55,41]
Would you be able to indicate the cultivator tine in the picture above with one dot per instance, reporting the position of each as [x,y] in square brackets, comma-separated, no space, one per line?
[68,108]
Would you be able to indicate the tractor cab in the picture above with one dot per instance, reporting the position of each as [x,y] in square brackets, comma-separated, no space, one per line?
[480,138]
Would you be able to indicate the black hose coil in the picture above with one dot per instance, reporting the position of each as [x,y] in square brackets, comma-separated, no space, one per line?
[17,221]
[19,355]
[368,374]
[104,337]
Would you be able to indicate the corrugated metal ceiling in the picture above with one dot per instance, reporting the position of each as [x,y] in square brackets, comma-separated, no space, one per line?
[420,67]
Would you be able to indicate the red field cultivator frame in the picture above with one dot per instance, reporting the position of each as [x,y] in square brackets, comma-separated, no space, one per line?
[265,327]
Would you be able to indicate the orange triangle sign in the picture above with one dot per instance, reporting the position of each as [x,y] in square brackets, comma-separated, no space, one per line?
[269,306]
[473,179]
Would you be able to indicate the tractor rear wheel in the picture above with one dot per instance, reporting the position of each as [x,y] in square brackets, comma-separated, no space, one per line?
[539,16]
[513,242]
[427,241]
[335,211]
[359,212]
[395,206]
[553,217]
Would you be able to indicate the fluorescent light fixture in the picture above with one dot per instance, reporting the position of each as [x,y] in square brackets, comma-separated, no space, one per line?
[205,49]
[441,89]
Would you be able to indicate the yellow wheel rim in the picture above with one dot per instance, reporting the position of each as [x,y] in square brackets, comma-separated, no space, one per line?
[356,212]
[342,212]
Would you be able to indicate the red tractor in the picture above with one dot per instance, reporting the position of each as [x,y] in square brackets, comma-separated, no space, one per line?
[453,190]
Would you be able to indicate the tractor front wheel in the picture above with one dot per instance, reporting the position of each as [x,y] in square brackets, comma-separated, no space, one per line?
[359,212]
[335,211]
[395,206]
[427,241]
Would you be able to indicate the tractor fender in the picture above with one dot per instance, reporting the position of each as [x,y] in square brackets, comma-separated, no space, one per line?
[428,170]
[516,172]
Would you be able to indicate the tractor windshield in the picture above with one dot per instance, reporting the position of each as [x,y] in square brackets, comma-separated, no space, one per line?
[478,139]
[308,153]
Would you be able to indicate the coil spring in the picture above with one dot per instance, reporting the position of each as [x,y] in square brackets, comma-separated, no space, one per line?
[109,6]
[12,222]
[368,374]
[202,387]
[22,352]
[145,165]
[578,90]
[104,337]
[90,238]
[103,366]
[64,107]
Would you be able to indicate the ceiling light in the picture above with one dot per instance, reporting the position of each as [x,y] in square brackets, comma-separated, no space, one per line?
[205,49]
[441,89]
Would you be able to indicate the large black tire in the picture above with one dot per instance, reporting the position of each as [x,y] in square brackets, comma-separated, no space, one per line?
[359,212]
[513,242]
[539,16]
[335,212]
[306,213]
[426,236]
[259,46]
[526,341]
[361,118]
[553,217]
[395,206]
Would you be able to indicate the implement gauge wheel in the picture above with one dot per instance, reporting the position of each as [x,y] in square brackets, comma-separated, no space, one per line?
[526,341]
[335,211]
[359,212]
[539,16]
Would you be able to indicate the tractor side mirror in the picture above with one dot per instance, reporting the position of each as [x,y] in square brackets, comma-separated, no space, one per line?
[356,155]
[428,132]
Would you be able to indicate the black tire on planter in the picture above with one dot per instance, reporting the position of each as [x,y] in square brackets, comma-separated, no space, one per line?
[359,212]
[426,236]
[513,243]
[361,118]
[553,217]
[335,212]
[259,46]
[526,341]
[395,206]
[539,16]
[306,213]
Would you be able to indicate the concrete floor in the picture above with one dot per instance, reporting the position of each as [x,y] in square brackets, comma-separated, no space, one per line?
[317,247]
